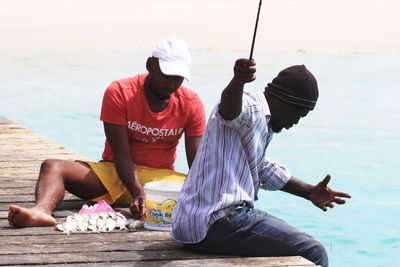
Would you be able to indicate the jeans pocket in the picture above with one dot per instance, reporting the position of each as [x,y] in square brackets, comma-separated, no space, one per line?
[227,223]
[238,218]
[235,218]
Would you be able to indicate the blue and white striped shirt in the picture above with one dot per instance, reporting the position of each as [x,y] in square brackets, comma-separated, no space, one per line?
[229,168]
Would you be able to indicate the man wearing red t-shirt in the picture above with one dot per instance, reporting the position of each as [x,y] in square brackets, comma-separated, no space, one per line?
[144,117]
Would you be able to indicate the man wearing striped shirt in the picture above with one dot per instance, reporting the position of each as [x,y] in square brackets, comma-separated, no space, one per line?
[215,211]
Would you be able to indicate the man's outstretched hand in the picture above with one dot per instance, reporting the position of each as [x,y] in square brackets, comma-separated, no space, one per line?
[323,197]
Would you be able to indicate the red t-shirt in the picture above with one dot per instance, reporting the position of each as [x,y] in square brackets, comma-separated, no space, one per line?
[153,137]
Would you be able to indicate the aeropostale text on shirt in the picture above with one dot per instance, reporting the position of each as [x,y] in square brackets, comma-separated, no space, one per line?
[137,127]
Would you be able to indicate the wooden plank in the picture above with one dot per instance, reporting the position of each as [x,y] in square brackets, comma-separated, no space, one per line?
[39,158]
[9,198]
[28,190]
[31,164]
[26,143]
[93,246]
[64,205]
[249,261]
[294,261]
[15,159]
[160,258]
[18,172]
[102,257]
[22,190]
[26,198]
[46,152]
[26,137]
[25,146]
[7,230]
[21,178]
[129,245]
[50,236]
[21,164]
[17,182]
[4,178]
[14,130]
[61,214]
[7,180]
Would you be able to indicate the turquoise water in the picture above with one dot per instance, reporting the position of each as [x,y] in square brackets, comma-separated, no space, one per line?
[352,134]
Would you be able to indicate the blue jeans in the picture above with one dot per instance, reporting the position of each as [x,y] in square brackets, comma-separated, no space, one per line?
[251,232]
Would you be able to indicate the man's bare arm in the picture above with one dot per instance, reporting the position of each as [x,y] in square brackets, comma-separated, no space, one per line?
[231,98]
[191,145]
[320,195]
[117,136]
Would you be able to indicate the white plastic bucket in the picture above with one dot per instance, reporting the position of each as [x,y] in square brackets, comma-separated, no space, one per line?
[161,199]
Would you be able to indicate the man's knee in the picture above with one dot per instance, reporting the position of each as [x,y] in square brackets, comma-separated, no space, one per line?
[51,166]
[322,255]
[316,253]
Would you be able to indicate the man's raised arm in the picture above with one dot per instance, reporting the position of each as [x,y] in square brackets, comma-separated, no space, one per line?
[231,98]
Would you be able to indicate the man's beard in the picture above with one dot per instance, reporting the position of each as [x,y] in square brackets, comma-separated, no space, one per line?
[275,129]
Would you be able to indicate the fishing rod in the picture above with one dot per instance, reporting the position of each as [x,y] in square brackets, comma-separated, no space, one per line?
[255,31]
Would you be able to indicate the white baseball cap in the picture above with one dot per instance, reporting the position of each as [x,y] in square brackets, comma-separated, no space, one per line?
[173,56]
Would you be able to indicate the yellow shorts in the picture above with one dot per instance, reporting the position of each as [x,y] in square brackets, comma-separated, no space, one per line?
[117,192]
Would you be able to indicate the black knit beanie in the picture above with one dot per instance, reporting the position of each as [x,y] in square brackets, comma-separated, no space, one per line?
[295,85]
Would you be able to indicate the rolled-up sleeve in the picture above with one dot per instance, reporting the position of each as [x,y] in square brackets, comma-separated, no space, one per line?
[242,120]
[251,111]
[273,175]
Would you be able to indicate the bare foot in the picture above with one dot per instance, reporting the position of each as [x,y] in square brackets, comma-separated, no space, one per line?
[23,217]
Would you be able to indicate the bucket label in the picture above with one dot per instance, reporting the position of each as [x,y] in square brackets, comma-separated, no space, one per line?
[160,212]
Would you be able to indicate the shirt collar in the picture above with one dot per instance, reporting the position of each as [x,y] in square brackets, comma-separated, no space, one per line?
[264,104]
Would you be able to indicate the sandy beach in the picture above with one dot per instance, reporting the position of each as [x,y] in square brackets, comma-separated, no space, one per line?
[285,26]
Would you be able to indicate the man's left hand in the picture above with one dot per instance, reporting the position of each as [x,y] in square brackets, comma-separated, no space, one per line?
[323,197]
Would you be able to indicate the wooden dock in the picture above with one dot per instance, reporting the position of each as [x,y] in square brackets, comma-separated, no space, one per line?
[21,153]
